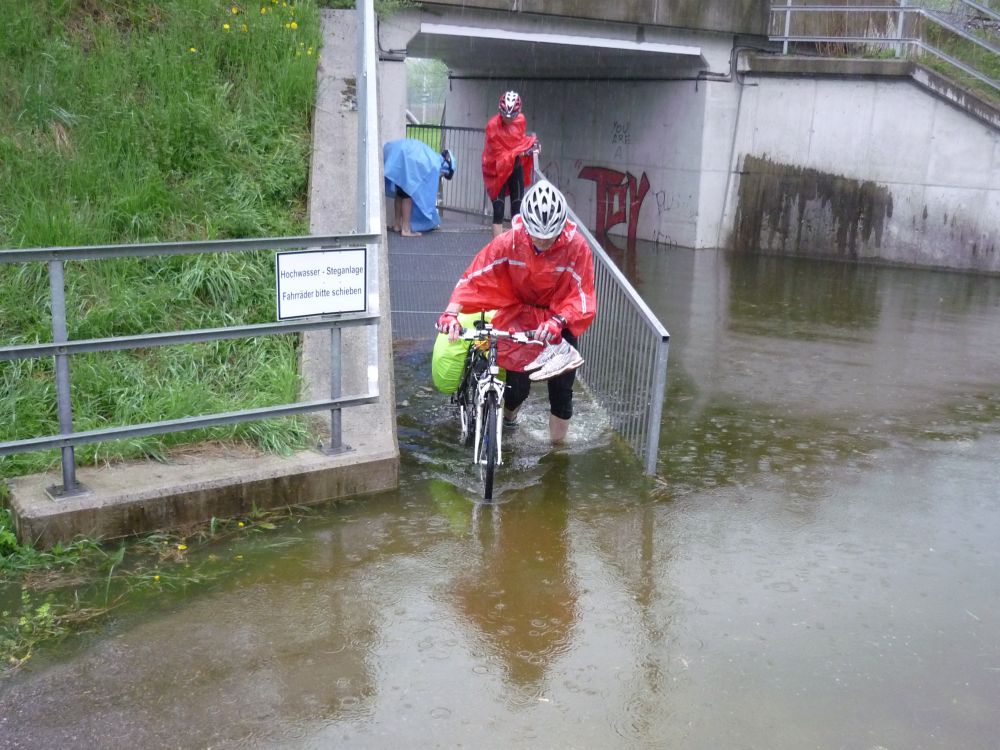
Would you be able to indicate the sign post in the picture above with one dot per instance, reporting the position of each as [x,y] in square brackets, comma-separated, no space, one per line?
[324,282]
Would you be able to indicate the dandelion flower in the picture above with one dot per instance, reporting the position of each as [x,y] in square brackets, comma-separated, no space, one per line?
[156,578]
[234,10]
[182,547]
[241,524]
[193,50]
[293,25]
[225,26]
[263,11]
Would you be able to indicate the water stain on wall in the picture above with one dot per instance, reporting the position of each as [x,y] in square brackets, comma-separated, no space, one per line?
[795,210]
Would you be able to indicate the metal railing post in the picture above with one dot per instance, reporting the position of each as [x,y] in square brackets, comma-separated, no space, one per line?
[57,289]
[788,28]
[900,23]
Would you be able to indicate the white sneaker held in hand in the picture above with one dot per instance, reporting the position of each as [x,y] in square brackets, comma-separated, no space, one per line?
[563,360]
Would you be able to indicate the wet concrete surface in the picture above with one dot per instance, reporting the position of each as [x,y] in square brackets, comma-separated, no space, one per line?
[816,567]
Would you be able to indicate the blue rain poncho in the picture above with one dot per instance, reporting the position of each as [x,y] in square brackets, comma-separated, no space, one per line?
[415,167]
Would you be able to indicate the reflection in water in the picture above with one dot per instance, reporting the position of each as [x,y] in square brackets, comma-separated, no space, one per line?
[787,297]
[517,588]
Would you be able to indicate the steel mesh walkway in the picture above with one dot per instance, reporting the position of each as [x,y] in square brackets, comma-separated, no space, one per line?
[423,271]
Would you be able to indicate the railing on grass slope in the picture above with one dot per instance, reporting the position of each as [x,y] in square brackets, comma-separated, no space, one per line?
[61,348]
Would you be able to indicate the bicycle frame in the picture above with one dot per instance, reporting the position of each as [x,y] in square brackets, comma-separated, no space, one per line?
[487,382]
[480,398]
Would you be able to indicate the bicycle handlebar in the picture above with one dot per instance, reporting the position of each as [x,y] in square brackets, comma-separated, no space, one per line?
[521,337]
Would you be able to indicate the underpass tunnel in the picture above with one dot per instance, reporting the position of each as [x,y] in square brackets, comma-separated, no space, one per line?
[636,122]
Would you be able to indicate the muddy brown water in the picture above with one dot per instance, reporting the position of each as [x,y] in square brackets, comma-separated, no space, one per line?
[817,566]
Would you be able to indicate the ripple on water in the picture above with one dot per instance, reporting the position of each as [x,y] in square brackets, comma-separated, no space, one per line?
[631,723]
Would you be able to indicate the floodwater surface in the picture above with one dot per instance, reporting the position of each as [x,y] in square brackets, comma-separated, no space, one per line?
[816,566]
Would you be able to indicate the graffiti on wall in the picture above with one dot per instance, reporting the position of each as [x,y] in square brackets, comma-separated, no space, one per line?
[619,201]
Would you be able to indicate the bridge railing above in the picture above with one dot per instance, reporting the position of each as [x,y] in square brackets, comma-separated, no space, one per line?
[962,37]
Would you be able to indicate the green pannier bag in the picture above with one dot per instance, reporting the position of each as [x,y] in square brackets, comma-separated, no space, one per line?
[448,359]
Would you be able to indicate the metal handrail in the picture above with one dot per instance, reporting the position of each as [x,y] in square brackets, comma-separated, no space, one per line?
[61,347]
[897,41]
[636,406]
[626,373]
[465,193]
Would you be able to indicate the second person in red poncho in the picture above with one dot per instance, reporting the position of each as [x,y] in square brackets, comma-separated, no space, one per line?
[508,160]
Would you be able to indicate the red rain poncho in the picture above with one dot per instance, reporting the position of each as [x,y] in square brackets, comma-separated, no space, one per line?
[503,146]
[525,287]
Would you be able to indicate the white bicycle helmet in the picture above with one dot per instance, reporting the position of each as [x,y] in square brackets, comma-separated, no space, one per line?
[543,210]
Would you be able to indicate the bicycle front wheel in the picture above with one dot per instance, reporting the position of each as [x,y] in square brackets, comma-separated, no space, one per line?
[489,442]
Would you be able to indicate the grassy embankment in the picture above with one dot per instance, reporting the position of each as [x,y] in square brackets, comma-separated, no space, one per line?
[140,121]
[131,122]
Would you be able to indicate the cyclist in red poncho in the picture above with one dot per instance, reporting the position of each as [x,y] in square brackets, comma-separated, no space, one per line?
[539,277]
[508,160]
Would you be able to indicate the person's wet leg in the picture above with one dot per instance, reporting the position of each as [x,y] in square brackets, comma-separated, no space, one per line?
[407,213]
[558,429]
[397,223]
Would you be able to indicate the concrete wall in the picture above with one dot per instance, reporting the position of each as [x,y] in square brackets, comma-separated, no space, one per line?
[857,159]
[734,16]
[876,169]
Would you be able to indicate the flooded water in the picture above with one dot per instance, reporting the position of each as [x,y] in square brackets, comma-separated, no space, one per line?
[817,566]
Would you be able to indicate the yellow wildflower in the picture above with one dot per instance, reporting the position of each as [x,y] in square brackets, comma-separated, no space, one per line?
[182,547]
[234,10]
[263,11]
[241,524]
[309,51]
[156,578]
[225,26]
[244,28]
[293,25]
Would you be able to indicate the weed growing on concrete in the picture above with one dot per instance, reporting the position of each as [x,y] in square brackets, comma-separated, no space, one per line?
[48,595]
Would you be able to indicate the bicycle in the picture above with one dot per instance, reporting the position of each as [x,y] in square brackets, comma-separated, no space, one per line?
[480,398]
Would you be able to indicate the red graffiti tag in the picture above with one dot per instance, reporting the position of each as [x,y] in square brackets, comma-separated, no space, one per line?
[619,198]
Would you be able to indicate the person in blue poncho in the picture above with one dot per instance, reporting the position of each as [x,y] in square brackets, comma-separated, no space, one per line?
[412,171]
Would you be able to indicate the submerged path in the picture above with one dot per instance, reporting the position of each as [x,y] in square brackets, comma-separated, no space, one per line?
[816,566]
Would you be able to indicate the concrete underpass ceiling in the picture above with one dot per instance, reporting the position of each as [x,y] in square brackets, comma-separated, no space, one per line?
[500,53]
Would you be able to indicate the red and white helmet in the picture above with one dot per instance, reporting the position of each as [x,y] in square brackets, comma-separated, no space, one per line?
[510,104]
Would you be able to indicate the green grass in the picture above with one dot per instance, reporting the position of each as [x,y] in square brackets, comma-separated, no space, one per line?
[976,57]
[134,121]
